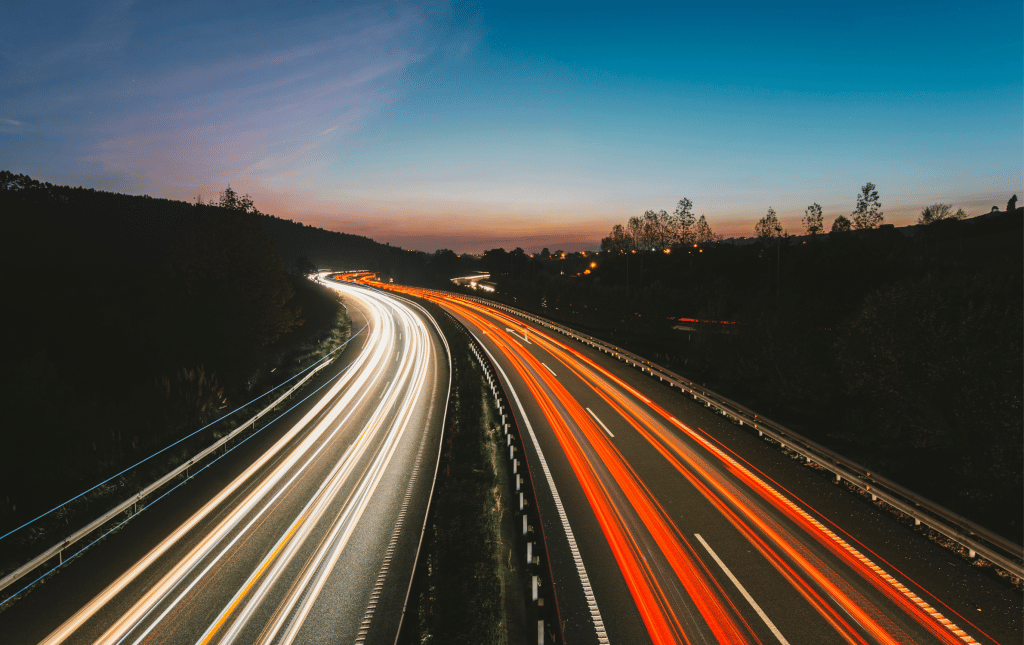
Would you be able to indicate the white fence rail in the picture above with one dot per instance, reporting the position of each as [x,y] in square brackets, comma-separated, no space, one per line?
[58,549]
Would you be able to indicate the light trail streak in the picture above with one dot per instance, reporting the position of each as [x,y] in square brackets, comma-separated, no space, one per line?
[923,614]
[664,626]
[938,626]
[854,618]
[329,517]
[753,603]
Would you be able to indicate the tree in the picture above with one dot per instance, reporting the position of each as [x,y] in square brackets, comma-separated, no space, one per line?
[868,213]
[770,233]
[683,221]
[939,212]
[657,229]
[303,266]
[635,232]
[618,241]
[768,230]
[841,225]
[703,233]
[230,200]
[813,220]
[444,261]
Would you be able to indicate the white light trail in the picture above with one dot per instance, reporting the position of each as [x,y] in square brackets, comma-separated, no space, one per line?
[351,483]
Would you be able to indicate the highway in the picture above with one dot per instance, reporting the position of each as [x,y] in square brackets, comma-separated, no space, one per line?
[308,535]
[666,523]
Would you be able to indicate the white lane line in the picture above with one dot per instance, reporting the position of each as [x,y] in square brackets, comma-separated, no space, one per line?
[513,332]
[549,369]
[743,591]
[602,424]
[595,613]
[385,390]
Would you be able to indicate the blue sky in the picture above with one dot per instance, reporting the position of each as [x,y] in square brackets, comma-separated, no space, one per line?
[476,125]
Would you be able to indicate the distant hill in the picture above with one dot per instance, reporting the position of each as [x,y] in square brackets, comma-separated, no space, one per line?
[141,228]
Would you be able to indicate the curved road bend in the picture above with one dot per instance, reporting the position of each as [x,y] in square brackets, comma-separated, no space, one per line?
[682,540]
[308,535]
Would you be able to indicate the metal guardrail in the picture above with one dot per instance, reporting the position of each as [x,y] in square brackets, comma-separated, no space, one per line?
[57,550]
[537,563]
[976,539]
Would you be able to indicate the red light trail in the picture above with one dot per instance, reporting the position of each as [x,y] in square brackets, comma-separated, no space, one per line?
[635,524]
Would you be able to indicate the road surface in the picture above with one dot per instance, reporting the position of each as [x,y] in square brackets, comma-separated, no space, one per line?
[666,523]
[307,536]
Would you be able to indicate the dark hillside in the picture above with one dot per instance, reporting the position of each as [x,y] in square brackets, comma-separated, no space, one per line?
[141,228]
[131,322]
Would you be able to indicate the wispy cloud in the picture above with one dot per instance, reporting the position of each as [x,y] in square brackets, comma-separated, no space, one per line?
[246,96]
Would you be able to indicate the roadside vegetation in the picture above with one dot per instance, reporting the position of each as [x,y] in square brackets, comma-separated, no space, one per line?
[468,586]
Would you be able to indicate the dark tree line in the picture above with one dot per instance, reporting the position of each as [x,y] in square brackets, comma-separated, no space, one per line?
[130,322]
[900,348]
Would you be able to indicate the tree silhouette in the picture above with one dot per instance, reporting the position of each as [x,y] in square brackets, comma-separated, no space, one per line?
[939,212]
[703,233]
[683,222]
[230,200]
[813,220]
[868,213]
[841,225]
[768,230]
[617,241]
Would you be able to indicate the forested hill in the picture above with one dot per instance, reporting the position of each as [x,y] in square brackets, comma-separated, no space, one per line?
[141,228]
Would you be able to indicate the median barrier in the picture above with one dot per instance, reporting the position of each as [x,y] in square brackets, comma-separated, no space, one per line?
[538,566]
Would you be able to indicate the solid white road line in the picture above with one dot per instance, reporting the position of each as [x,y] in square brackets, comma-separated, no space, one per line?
[743,591]
[549,369]
[601,424]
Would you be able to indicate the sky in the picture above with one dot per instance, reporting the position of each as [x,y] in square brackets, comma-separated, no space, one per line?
[474,125]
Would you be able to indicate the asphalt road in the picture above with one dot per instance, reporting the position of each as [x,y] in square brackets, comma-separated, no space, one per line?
[308,535]
[667,523]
